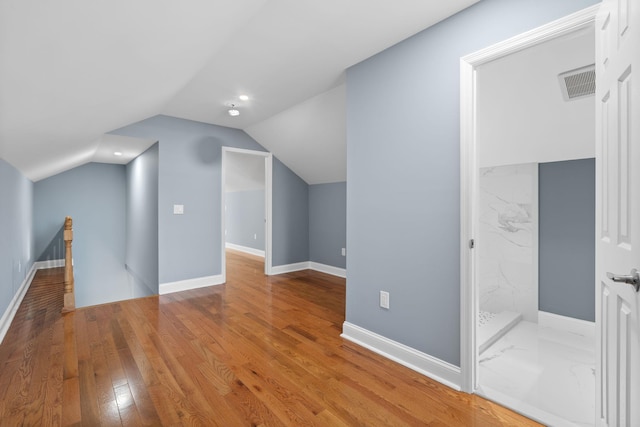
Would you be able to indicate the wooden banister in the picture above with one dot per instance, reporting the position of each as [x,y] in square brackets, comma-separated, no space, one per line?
[69,292]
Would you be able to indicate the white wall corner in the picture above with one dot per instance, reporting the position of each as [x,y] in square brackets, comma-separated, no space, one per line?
[423,363]
[245,249]
[12,309]
[185,285]
[328,269]
[568,324]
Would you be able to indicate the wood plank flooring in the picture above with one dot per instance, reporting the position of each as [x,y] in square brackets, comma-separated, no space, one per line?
[257,351]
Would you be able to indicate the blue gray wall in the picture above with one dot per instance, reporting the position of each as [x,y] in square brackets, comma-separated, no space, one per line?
[16,228]
[567,238]
[291,220]
[142,221]
[328,223]
[245,218]
[190,174]
[94,195]
[403,157]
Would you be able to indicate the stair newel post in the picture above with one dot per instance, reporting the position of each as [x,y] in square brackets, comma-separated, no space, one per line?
[69,293]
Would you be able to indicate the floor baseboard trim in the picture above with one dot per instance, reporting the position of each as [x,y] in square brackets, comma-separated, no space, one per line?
[51,263]
[564,323]
[289,268]
[423,363]
[309,265]
[329,269]
[185,285]
[12,309]
[245,249]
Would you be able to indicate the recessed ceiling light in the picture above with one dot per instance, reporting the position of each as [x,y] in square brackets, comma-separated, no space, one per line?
[117,153]
[243,97]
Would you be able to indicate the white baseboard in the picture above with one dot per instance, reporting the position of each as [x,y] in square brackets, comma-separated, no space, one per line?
[244,249]
[329,269]
[309,265]
[569,324]
[185,285]
[289,268]
[51,263]
[423,363]
[12,309]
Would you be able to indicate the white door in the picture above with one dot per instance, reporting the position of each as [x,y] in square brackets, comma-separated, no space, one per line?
[618,212]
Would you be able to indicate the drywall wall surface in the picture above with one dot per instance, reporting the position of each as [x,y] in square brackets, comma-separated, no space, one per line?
[16,228]
[291,219]
[94,195]
[328,223]
[245,218]
[403,186]
[190,175]
[142,220]
[567,238]
[522,116]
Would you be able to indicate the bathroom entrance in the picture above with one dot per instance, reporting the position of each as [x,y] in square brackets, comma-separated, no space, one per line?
[617,228]
[533,215]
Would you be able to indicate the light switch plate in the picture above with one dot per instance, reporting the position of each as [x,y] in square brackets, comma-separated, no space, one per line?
[178,209]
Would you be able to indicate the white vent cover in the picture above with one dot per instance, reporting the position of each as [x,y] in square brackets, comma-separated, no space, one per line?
[578,83]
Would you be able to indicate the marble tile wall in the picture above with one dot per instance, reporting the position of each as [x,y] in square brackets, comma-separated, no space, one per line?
[507,269]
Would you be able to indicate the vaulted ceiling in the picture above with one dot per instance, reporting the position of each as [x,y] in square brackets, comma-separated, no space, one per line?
[73,70]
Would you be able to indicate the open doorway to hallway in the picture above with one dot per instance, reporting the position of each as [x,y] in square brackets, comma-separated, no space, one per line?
[246,198]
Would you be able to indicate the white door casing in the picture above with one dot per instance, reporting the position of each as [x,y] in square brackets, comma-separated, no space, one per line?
[469,171]
[617,212]
[268,182]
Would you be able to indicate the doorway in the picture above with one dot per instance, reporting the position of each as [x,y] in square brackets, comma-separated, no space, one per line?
[504,158]
[246,204]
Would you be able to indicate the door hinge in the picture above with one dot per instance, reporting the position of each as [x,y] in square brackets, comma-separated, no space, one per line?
[472,244]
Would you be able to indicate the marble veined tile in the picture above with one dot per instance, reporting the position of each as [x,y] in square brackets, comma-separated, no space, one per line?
[506,240]
[547,374]
[492,326]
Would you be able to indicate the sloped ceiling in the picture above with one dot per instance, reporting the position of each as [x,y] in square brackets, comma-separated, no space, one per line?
[72,70]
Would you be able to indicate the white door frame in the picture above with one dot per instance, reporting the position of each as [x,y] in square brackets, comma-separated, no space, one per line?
[268,191]
[468,172]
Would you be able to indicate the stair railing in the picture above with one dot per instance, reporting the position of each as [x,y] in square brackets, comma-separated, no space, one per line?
[69,292]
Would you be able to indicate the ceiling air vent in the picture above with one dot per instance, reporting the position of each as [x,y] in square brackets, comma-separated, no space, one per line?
[578,83]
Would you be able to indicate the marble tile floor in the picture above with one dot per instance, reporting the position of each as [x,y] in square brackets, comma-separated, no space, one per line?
[492,326]
[543,373]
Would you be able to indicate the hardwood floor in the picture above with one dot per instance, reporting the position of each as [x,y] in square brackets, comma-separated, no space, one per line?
[256,351]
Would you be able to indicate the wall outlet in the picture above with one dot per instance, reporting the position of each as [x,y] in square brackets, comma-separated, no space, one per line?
[255,236]
[178,209]
[344,251]
[384,299]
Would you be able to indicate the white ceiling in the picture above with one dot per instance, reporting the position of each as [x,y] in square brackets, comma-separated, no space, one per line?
[73,70]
